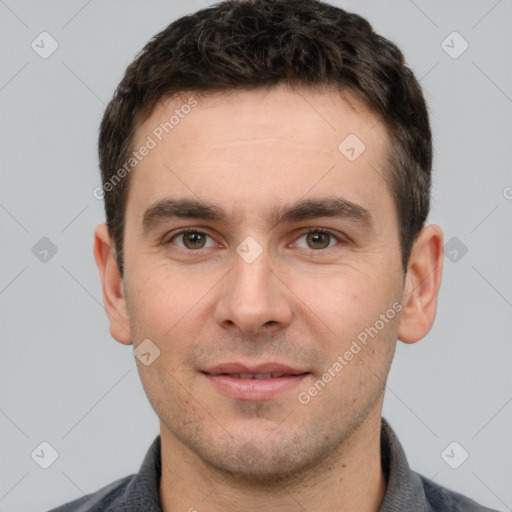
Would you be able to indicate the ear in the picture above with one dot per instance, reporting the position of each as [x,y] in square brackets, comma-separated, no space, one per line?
[423,281]
[112,285]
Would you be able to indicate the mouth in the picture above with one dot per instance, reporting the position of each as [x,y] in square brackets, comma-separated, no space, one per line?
[256,376]
[262,382]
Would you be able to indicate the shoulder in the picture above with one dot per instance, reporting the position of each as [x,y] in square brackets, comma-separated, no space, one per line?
[135,492]
[442,499]
[107,499]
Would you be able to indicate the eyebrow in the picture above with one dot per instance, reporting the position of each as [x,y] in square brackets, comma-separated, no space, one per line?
[305,209]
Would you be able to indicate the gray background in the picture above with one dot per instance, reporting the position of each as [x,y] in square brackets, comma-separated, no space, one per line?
[64,380]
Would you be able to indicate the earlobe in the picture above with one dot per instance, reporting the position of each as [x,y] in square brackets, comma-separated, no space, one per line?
[422,285]
[112,285]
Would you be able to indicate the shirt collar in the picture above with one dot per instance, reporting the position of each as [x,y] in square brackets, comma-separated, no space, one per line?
[404,490]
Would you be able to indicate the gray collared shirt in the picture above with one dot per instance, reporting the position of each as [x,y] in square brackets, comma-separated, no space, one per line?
[406,490]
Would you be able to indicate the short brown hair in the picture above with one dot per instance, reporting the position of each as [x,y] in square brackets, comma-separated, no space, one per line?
[244,44]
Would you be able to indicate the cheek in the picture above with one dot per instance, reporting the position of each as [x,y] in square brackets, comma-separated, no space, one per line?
[344,311]
[346,295]
[162,297]
[158,305]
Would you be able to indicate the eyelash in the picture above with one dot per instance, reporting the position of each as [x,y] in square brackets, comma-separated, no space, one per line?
[324,231]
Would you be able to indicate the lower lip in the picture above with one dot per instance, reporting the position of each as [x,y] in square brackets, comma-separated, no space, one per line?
[254,389]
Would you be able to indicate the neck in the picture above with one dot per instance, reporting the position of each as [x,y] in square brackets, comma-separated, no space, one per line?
[350,479]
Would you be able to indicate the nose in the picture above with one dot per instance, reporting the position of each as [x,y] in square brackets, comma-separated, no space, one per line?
[254,299]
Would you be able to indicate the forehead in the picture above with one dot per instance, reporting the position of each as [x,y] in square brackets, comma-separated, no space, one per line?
[252,148]
[307,114]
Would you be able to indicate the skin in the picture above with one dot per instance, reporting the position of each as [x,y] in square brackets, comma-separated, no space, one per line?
[299,302]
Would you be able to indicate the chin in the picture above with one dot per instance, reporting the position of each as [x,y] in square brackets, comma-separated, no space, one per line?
[251,466]
[261,461]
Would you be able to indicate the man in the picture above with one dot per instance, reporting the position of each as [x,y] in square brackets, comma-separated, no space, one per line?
[266,174]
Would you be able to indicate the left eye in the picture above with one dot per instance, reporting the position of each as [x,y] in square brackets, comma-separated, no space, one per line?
[319,239]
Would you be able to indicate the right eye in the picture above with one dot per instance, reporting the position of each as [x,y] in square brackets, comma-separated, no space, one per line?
[191,239]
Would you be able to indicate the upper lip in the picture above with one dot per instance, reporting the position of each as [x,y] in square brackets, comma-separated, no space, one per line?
[256,369]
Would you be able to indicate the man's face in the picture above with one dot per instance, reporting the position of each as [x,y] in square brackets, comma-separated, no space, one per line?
[248,294]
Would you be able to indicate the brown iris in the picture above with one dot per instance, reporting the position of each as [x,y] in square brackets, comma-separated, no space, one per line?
[194,240]
[316,237]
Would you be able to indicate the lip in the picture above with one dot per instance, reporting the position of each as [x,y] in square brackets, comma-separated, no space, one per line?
[226,378]
[269,367]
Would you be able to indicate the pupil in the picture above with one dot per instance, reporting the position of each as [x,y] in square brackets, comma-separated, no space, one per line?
[194,238]
[317,238]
